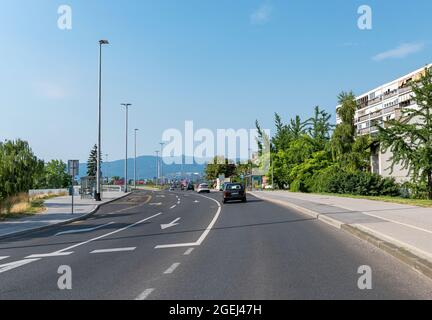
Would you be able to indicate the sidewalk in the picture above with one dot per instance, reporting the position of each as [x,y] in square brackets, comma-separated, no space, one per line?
[58,211]
[402,230]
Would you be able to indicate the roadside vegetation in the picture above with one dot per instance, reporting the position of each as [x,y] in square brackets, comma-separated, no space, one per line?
[317,157]
[21,171]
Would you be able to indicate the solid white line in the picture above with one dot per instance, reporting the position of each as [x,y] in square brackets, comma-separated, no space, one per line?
[113,250]
[15,264]
[110,233]
[173,206]
[172,268]
[145,294]
[83,230]
[5,257]
[188,251]
[203,236]
[49,255]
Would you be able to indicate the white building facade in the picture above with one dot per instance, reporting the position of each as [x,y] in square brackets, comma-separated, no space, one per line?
[379,105]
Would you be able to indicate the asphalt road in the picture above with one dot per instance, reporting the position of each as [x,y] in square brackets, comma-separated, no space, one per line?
[181,245]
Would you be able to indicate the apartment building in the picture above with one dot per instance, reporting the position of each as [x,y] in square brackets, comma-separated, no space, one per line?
[379,105]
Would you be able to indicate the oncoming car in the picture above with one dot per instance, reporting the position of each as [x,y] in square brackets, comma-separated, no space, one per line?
[234,191]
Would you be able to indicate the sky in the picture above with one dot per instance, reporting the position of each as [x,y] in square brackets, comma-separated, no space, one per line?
[220,63]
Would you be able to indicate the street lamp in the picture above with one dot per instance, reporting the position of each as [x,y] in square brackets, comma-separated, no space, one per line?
[135,164]
[161,162]
[106,167]
[98,165]
[157,167]
[126,105]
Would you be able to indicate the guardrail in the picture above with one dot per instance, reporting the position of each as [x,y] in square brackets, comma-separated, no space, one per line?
[38,192]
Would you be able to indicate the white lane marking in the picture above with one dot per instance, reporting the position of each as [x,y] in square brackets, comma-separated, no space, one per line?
[110,233]
[4,257]
[161,196]
[15,264]
[172,268]
[203,236]
[189,251]
[155,204]
[113,250]
[171,224]
[173,206]
[145,294]
[83,230]
[196,201]
[49,255]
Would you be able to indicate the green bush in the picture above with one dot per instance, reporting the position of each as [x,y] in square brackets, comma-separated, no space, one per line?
[335,180]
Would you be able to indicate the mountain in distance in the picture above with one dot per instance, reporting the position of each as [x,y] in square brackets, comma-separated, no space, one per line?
[146,168]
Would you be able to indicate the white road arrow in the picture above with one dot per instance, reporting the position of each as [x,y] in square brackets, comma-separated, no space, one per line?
[169,225]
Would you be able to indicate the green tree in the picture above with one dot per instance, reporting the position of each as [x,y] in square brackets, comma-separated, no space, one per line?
[92,162]
[56,175]
[319,128]
[352,152]
[410,138]
[19,167]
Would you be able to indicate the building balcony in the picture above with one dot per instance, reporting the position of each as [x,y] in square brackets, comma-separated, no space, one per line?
[405,89]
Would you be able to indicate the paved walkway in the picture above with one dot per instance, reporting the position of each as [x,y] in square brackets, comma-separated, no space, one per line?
[58,211]
[405,226]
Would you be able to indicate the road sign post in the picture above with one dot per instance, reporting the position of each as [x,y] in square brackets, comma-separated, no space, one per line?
[73,170]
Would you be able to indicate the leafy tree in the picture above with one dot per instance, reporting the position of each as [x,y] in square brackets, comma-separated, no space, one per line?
[218,167]
[19,167]
[56,175]
[350,151]
[92,162]
[410,138]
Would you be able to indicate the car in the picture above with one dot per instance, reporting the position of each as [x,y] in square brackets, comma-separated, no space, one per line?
[203,188]
[234,191]
[222,186]
[190,187]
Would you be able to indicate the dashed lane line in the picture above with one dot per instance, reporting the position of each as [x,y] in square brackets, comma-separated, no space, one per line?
[172,268]
[114,250]
[188,251]
[144,295]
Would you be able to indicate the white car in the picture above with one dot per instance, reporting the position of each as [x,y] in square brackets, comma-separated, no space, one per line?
[203,188]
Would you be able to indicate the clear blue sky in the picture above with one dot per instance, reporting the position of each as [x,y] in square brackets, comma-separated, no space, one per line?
[221,63]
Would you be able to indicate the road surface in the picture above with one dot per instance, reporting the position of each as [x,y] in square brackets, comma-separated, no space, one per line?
[181,245]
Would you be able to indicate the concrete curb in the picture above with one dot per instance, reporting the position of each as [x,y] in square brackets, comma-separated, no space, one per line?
[82,217]
[415,260]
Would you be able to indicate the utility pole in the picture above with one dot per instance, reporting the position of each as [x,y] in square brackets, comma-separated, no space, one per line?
[97,195]
[126,105]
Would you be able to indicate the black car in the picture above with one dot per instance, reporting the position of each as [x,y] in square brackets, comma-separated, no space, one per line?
[190,187]
[234,191]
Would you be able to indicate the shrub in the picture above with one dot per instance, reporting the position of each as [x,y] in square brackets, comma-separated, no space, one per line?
[335,180]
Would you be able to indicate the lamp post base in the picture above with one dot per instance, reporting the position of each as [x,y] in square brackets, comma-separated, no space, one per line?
[98,197]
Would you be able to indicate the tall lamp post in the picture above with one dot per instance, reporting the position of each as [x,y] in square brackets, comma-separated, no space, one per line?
[106,167]
[157,167]
[97,195]
[161,162]
[126,105]
[135,163]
